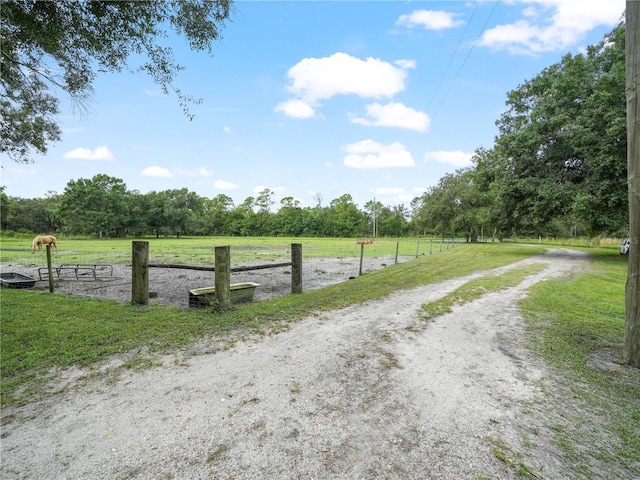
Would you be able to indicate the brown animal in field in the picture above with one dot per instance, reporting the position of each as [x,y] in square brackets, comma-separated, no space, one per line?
[43,240]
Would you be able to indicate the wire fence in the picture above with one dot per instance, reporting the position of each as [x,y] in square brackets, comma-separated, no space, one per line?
[200,251]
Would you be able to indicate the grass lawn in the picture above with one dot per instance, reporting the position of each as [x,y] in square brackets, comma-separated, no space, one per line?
[200,250]
[577,326]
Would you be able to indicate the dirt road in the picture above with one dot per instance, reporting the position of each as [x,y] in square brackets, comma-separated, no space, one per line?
[368,391]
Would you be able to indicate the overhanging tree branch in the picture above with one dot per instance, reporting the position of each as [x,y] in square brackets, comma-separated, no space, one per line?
[80,39]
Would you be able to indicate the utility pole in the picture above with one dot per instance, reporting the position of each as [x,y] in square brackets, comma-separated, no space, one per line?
[375,219]
[632,292]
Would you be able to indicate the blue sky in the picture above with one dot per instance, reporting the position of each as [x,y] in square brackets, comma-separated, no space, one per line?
[372,99]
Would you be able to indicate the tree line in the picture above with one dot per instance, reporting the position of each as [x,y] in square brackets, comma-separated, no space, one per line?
[557,169]
[103,207]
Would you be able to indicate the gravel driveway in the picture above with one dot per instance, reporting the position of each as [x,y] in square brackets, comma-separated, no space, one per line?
[368,391]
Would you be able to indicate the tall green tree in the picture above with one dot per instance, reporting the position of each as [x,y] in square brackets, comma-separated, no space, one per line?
[182,211]
[57,46]
[392,221]
[155,215]
[264,202]
[372,211]
[419,222]
[289,220]
[456,206]
[564,140]
[346,219]
[28,214]
[245,221]
[139,207]
[218,210]
[5,209]
[96,206]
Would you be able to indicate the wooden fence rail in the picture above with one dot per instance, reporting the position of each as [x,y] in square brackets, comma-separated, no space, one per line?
[213,269]
[140,278]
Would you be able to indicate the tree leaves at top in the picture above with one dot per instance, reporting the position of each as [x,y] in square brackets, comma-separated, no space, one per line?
[54,46]
[558,163]
[564,142]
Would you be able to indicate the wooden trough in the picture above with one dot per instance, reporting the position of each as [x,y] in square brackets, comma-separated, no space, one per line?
[205,297]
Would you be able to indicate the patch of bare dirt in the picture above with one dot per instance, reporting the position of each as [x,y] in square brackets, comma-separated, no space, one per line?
[170,286]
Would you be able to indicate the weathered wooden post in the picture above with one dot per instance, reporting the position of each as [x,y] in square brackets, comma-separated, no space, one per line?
[397,248]
[361,255]
[296,268]
[632,288]
[417,248]
[140,272]
[49,267]
[430,246]
[223,277]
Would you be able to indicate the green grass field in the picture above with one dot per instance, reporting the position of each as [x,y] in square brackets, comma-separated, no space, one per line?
[574,322]
[200,250]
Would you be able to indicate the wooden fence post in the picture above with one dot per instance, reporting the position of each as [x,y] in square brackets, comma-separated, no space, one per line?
[398,248]
[140,272]
[223,277]
[296,268]
[632,288]
[361,255]
[49,267]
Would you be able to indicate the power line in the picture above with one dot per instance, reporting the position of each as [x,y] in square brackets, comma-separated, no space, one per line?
[446,69]
[466,58]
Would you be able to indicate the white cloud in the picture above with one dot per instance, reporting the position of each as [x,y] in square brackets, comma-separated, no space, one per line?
[405,197]
[430,19]
[456,158]
[394,115]
[157,172]
[314,79]
[100,153]
[371,154]
[552,25]
[393,194]
[295,109]
[388,190]
[222,185]
[227,130]
[405,64]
